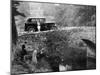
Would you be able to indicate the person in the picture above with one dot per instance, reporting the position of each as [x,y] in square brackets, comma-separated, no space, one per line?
[23,52]
[34,58]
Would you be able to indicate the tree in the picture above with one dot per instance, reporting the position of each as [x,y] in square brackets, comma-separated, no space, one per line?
[13,26]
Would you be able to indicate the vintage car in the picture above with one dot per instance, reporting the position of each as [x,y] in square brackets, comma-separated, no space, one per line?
[32,25]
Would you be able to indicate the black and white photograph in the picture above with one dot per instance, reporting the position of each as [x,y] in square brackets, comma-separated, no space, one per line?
[52,37]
